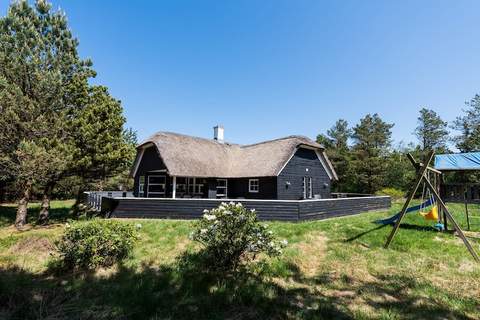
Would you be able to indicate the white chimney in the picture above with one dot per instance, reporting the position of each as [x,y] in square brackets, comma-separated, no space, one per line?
[218,133]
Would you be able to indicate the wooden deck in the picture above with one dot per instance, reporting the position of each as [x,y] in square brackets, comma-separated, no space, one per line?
[282,210]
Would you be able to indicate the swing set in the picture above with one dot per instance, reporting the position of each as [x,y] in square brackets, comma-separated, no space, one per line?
[427,208]
[430,208]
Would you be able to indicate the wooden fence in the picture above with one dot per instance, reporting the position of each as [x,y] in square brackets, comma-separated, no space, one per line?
[283,210]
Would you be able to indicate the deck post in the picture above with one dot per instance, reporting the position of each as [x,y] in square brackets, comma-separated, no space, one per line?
[174,186]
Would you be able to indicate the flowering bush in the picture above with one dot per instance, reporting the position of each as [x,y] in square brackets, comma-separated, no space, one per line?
[232,235]
[95,243]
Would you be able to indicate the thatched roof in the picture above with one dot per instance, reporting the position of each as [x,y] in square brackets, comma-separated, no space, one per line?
[198,157]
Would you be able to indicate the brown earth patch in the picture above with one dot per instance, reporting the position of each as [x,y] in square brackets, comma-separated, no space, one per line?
[37,246]
[312,252]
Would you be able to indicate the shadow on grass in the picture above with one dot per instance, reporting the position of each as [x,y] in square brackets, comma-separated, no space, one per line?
[406,226]
[184,290]
[56,215]
[358,236]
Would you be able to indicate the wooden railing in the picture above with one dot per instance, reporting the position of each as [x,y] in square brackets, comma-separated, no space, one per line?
[94,198]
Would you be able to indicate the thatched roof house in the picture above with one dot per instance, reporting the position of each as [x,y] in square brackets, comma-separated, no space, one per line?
[172,164]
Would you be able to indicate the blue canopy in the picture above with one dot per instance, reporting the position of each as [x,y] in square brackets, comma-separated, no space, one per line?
[458,161]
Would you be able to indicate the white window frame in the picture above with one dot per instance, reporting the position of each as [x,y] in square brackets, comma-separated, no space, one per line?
[196,187]
[304,185]
[141,186]
[224,188]
[157,184]
[310,188]
[181,187]
[255,183]
[307,187]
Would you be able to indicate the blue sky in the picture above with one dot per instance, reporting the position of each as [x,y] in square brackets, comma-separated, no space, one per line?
[266,69]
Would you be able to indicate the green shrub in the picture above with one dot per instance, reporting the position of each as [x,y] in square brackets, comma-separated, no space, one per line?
[232,236]
[95,243]
[395,194]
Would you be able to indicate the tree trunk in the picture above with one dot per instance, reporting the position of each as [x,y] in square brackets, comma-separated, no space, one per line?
[45,208]
[78,202]
[22,208]
[2,191]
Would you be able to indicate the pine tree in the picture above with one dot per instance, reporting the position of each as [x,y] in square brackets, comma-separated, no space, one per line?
[54,124]
[336,145]
[102,147]
[469,127]
[431,132]
[372,140]
[39,65]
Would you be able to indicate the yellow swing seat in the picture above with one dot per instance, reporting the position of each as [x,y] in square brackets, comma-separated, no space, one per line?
[432,214]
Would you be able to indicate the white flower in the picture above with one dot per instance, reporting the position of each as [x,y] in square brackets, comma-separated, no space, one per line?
[203,231]
[138,226]
[232,203]
[284,242]
[270,232]
[238,205]
[205,211]
[253,211]
[228,212]
[210,217]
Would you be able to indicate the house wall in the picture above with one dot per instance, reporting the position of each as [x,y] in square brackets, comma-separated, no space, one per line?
[296,169]
[149,162]
[238,188]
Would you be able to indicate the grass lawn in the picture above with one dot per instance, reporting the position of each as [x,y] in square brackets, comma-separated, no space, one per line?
[333,269]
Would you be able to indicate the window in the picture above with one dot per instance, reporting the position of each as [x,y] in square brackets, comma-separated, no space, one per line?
[307,188]
[181,185]
[253,185]
[310,188]
[222,188]
[156,185]
[199,182]
[195,186]
[304,186]
[141,186]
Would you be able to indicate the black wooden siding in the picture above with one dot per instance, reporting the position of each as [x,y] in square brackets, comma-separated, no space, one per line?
[266,210]
[193,208]
[294,172]
[317,210]
[267,189]
[149,162]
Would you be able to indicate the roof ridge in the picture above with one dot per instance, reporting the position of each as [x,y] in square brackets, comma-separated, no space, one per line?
[188,136]
[229,144]
[278,139]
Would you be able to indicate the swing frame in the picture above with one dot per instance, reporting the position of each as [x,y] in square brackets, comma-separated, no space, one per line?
[422,169]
